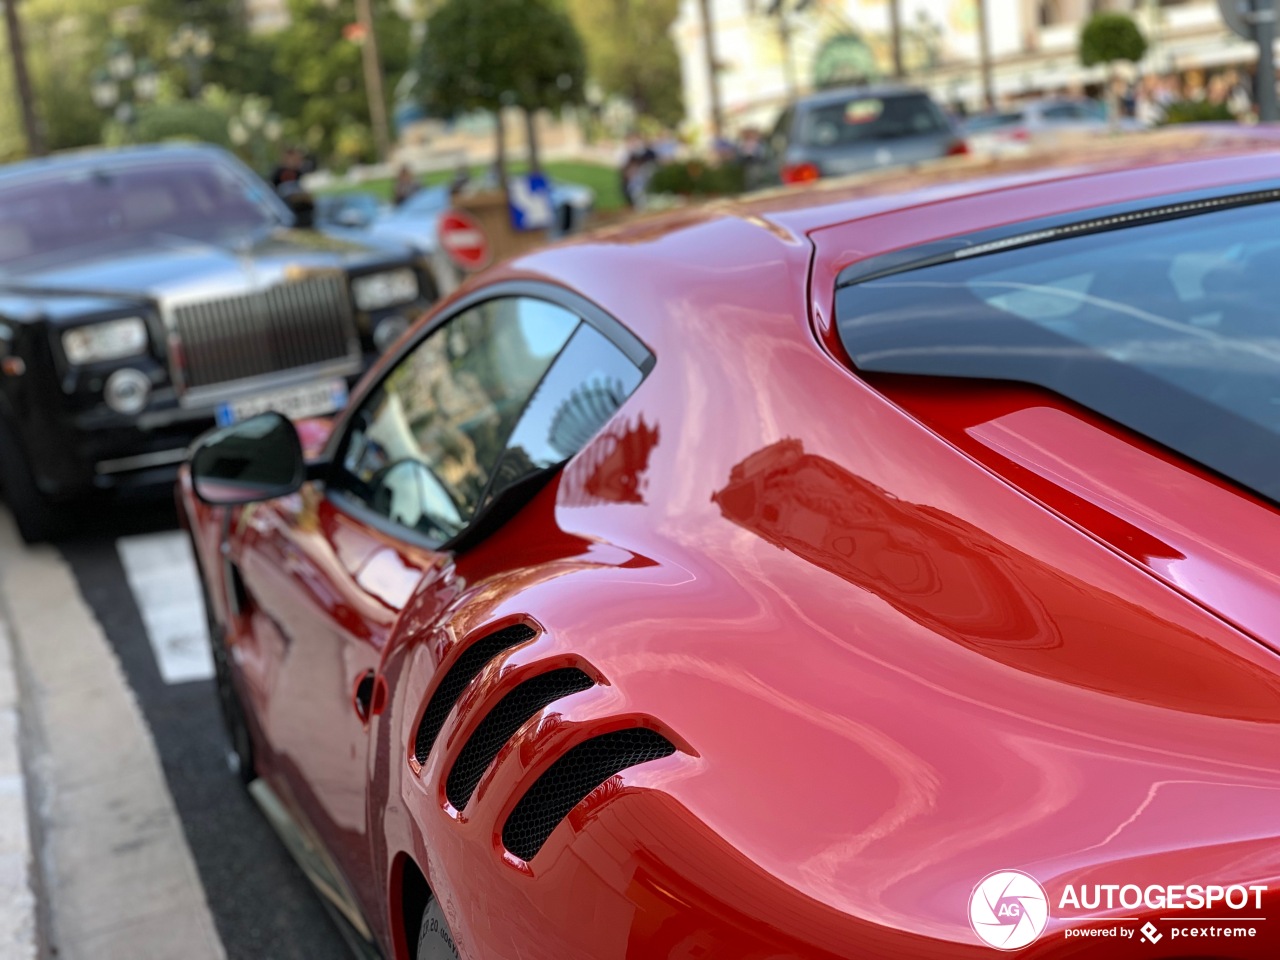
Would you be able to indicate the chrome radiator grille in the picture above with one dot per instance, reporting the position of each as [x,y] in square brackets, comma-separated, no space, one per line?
[295,324]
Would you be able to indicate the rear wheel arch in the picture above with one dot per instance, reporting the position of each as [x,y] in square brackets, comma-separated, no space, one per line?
[408,907]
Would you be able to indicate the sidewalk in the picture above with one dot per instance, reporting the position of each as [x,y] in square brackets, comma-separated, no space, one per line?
[114,869]
[17,899]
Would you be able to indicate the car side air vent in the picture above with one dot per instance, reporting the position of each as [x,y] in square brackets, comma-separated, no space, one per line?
[568,781]
[502,722]
[464,670]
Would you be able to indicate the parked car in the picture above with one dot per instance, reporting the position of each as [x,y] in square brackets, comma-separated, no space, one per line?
[1048,123]
[771,579]
[853,129]
[355,209]
[362,214]
[146,293]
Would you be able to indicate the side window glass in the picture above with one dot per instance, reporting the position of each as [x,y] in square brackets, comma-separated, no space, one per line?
[424,445]
[589,381]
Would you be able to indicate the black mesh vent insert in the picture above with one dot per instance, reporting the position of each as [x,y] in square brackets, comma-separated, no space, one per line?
[567,781]
[463,671]
[502,722]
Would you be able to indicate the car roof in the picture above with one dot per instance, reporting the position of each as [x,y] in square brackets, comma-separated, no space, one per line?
[841,94]
[74,161]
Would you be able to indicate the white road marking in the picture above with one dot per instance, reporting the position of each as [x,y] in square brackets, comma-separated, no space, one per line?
[162,575]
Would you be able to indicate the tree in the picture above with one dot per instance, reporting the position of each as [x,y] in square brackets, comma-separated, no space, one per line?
[223,22]
[318,87]
[500,53]
[1106,38]
[22,79]
[630,53]
[64,45]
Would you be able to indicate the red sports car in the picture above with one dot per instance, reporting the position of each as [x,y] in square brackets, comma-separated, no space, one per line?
[887,569]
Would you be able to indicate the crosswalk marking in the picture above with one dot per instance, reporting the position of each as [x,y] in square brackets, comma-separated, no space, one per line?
[162,575]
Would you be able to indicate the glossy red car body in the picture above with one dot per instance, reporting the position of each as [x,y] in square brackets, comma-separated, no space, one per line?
[903,634]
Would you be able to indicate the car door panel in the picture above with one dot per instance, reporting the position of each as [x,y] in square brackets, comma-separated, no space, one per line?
[326,591]
[508,388]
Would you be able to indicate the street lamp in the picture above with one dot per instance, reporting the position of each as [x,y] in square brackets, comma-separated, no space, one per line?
[120,63]
[192,46]
[123,82]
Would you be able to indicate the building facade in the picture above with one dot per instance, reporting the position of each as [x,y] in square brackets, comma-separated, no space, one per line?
[764,56]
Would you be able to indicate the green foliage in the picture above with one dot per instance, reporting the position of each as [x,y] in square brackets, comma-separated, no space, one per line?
[1108,37]
[1195,111]
[318,84]
[183,120]
[66,44]
[482,56]
[630,53]
[693,178]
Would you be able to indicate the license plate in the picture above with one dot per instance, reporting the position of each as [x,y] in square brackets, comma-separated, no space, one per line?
[296,403]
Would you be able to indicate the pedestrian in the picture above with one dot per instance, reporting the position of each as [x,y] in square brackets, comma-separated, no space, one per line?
[461,180]
[1239,99]
[406,185]
[289,169]
[750,145]
[638,163]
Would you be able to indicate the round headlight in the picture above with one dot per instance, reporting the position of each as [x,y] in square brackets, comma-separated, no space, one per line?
[127,391]
[388,331]
[111,340]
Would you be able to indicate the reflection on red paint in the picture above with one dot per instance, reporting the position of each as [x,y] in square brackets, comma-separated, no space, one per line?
[611,469]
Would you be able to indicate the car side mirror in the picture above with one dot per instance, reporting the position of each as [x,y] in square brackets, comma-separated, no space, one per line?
[257,459]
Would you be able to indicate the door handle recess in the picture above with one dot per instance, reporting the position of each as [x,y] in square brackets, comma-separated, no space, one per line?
[369,696]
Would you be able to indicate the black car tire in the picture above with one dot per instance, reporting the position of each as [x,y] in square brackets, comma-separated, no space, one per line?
[32,512]
[435,941]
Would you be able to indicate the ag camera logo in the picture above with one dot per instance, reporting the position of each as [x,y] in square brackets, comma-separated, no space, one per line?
[1008,909]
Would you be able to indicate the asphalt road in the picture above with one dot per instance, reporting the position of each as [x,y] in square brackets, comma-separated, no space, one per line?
[263,906]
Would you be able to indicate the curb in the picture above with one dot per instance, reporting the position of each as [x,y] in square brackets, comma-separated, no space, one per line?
[17,896]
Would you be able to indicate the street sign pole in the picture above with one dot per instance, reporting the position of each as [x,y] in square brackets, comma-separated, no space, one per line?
[1263,17]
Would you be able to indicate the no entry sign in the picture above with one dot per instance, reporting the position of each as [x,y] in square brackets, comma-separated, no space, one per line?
[463,241]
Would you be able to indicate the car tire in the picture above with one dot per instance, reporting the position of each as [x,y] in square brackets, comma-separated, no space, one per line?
[233,716]
[435,940]
[31,510]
